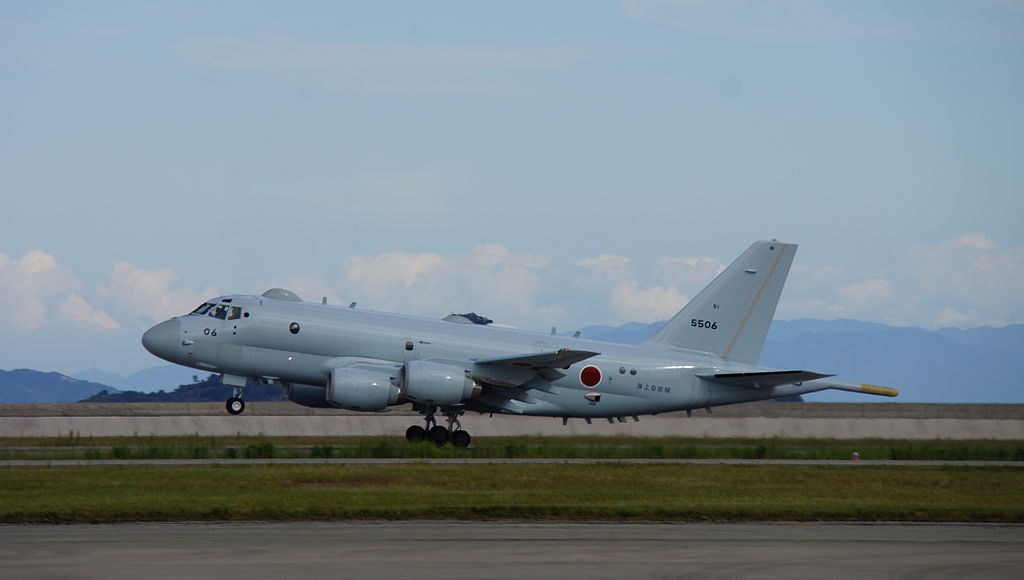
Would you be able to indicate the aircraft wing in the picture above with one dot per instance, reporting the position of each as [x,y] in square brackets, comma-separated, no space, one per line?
[535,369]
[760,380]
[552,359]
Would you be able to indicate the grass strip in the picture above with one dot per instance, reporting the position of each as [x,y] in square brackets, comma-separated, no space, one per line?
[611,492]
[145,447]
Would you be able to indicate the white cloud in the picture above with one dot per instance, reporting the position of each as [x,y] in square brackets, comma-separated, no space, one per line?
[137,290]
[966,281]
[385,274]
[526,289]
[608,266]
[510,287]
[976,241]
[969,278]
[868,290]
[490,255]
[77,309]
[632,303]
[25,286]
[693,273]
[489,278]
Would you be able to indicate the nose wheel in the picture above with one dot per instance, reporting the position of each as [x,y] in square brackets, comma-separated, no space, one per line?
[439,434]
[235,405]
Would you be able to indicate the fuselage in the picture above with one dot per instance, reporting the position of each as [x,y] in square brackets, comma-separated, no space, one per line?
[301,342]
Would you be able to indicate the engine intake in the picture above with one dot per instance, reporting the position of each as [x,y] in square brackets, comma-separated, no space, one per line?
[362,388]
[437,383]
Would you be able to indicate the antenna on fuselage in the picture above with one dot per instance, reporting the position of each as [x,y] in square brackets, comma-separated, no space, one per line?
[323,300]
[352,305]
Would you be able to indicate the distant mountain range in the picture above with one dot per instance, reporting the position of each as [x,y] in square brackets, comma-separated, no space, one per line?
[949,365]
[29,386]
[165,377]
[208,389]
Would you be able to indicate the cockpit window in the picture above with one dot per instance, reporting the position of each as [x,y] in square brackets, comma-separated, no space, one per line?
[221,312]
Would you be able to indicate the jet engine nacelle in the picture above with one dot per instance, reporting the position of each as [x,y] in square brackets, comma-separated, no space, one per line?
[362,388]
[437,383]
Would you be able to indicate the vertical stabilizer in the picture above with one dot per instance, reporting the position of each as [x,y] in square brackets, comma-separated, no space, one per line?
[730,317]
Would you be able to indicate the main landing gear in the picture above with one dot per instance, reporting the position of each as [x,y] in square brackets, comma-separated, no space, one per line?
[439,434]
[235,405]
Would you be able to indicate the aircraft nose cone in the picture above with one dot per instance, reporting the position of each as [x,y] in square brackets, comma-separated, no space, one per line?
[164,339]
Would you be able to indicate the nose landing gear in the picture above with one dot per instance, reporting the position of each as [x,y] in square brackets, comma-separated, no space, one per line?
[439,434]
[235,405]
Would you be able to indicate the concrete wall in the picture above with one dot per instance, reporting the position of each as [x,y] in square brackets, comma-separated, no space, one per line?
[811,420]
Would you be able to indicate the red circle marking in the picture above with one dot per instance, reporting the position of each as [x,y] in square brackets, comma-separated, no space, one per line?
[590,376]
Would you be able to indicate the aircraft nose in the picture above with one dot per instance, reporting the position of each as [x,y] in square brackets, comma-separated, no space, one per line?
[164,339]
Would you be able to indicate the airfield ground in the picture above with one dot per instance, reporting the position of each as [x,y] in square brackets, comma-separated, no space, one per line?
[750,420]
[341,494]
[453,550]
[196,475]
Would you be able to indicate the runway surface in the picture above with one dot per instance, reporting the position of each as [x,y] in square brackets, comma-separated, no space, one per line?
[451,550]
[42,463]
[750,420]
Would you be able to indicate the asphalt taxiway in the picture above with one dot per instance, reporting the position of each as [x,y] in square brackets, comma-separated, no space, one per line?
[42,463]
[454,549]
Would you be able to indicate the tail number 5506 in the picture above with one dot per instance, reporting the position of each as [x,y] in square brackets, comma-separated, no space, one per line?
[713,325]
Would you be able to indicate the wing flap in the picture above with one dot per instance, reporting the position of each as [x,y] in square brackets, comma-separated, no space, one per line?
[765,379]
[551,359]
[515,370]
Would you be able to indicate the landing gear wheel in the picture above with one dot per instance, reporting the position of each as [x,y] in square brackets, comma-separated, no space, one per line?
[235,405]
[461,438]
[438,434]
[415,434]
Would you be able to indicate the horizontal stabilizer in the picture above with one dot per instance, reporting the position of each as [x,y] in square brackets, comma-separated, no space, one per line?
[760,380]
[552,359]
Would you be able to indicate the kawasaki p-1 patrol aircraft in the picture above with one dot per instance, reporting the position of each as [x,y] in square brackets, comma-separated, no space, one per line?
[330,356]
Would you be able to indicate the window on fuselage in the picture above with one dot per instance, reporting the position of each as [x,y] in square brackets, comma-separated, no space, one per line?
[235,313]
[203,308]
[221,312]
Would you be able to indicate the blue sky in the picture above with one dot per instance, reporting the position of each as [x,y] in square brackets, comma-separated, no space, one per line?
[546,163]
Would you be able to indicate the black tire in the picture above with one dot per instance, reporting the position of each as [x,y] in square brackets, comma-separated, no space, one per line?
[235,405]
[461,438]
[415,434]
[438,434]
